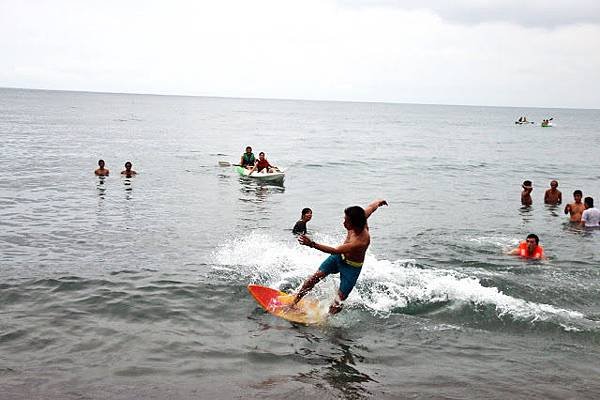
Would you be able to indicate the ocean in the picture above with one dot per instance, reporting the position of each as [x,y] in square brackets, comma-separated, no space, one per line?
[127,289]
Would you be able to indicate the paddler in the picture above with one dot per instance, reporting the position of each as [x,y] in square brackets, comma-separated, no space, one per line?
[346,259]
[247,161]
[263,164]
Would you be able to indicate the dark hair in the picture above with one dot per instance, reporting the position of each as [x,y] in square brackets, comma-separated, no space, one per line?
[100,161]
[306,211]
[526,183]
[248,147]
[534,236]
[588,201]
[262,153]
[577,192]
[128,162]
[357,217]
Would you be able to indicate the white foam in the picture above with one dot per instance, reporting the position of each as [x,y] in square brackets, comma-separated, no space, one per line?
[383,287]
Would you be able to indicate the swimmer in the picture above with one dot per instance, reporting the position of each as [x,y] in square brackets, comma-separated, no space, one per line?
[300,227]
[530,248]
[101,171]
[590,218]
[128,172]
[526,193]
[576,208]
[346,259]
[553,195]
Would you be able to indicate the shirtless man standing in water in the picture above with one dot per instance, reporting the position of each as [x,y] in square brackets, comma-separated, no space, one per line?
[346,259]
[101,171]
[576,208]
[553,195]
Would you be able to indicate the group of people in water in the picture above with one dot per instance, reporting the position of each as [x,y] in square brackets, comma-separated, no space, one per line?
[580,213]
[103,171]
[523,120]
[252,164]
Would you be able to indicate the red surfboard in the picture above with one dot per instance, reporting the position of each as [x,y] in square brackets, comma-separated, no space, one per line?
[307,311]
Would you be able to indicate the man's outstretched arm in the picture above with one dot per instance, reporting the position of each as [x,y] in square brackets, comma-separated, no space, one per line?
[370,209]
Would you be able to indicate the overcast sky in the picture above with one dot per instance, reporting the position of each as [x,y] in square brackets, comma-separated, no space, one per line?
[497,52]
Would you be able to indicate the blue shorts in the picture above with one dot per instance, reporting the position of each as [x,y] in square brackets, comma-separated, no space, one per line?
[348,274]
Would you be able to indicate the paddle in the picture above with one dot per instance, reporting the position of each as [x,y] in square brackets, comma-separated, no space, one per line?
[228,164]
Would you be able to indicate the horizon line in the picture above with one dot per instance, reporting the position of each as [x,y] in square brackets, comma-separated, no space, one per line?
[287,99]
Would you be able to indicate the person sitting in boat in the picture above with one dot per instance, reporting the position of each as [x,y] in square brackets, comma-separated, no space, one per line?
[263,165]
[247,161]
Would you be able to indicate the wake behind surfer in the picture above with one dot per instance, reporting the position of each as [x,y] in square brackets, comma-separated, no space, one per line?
[346,259]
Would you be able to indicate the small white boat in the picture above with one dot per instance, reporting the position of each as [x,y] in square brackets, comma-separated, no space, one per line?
[277,176]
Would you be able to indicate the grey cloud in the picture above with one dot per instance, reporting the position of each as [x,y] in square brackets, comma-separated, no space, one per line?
[532,13]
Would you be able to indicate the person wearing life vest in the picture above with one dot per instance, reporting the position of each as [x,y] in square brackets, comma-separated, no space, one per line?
[263,165]
[530,248]
[247,161]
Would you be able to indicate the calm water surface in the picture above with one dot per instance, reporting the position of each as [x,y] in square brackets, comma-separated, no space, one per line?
[118,289]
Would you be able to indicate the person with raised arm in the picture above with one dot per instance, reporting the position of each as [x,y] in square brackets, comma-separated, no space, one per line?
[346,259]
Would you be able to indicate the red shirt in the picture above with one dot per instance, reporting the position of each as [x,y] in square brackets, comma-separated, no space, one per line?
[538,252]
[262,164]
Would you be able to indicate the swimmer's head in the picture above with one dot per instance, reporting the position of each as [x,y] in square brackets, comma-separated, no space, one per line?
[307,214]
[532,237]
[554,184]
[101,163]
[577,194]
[355,218]
[527,185]
[589,202]
[128,165]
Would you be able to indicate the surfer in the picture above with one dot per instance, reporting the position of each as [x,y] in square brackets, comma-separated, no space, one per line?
[347,259]
[530,248]
[526,193]
[247,160]
[101,171]
[553,195]
[263,163]
[575,209]
[300,227]
[590,218]
[128,172]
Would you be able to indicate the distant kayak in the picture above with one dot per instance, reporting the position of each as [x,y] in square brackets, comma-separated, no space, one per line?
[263,176]
[548,125]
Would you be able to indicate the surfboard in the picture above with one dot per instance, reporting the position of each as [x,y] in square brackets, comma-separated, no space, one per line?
[307,311]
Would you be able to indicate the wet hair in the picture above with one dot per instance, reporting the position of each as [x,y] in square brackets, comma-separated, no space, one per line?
[534,236]
[128,162]
[306,211]
[526,183]
[588,201]
[101,161]
[577,192]
[357,217]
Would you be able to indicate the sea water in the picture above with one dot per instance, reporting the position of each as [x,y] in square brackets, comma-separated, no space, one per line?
[136,288]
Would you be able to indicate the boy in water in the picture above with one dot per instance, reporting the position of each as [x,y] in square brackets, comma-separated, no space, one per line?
[553,195]
[101,171]
[530,248]
[576,208]
[300,227]
[590,218]
[346,259]
[526,193]
[128,172]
